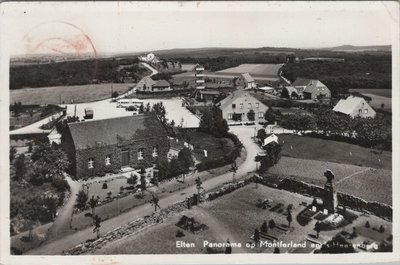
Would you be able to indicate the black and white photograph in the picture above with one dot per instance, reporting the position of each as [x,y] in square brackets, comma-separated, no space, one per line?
[226,128]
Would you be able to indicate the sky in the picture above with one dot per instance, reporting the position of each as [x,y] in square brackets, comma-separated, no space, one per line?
[132,27]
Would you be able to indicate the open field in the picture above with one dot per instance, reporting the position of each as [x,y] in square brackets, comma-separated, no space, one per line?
[333,151]
[235,216]
[66,94]
[378,92]
[355,180]
[255,69]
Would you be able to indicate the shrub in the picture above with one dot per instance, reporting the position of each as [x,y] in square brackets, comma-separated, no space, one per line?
[60,184]
[105,186]
[367,225]
[381,229]
[271,224]
[179,233]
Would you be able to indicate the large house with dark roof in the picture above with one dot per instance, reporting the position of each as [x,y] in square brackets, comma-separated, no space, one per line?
[100,146]
[235,107]
[311,88]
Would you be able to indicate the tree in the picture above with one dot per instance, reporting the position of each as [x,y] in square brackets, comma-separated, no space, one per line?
[97,224]
[115,94]
[198,185]
[270,116]
[17,108]
[185,158]
[93,203]
[256,236]
[159,110]
[276,250]
[154,201]
[367,225]
[20,167]
[132,179]
[264,227]
[270,157]
[143,179]
[251,115]
[261,135]
[317,228]
[13,152]
[81,199]
[289,218]
[51,205]
[228,248]
[271,224]
[212,122]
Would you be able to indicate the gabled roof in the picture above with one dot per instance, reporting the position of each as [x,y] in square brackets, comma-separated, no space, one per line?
[147,80]
[107,132]
[247,77]
[348,105]
[301,82]
[161,83]
[315,85]
[291,90]
[232,97]
[270,139]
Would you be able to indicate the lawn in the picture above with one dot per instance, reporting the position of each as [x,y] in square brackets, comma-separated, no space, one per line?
[255,69]
[233,216]
[333,151]
[66,94]
[216,147]
[366,183]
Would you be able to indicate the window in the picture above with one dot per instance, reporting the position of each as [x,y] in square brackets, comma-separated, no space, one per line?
[359,111]
[230,116]
[233,106]
[241,105]
[261,115]
[249,105]
[140,153]
[366,111]
[257,105]
[107,161]
[155,151]
[90,163]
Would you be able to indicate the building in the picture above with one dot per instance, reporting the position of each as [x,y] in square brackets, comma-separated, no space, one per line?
[199,76]
[355,107]
[207,95]
[161,85]
[99,146]
[291,93]
[270,140]
[311,89]
[245,81]
[241,106]
[145,84]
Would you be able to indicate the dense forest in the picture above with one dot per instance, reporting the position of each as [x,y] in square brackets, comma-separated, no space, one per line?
[357,71]
[80,72]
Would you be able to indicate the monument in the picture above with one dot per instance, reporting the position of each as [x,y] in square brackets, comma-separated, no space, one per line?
[330,201]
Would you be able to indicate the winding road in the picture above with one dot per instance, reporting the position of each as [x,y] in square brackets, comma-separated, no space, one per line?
[57,246]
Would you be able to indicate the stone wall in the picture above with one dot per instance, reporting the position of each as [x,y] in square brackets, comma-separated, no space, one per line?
[376,208]
[128,229]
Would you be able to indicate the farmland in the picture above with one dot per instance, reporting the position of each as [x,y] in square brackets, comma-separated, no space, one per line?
[333,151]
[377,92]
[255,69]
[66,94]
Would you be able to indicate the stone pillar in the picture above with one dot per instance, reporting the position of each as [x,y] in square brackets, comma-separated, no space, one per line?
[330,198]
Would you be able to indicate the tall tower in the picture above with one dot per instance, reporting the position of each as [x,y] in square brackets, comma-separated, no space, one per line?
[199,77]
[330,198]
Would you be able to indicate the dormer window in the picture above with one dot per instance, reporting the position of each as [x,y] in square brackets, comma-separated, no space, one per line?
[155,151]
[107,161]
[90,163]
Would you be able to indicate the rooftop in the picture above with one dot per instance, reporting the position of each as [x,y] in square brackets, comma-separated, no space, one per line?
[110,131]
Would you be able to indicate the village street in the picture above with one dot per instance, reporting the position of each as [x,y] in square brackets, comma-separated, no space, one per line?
[244,134]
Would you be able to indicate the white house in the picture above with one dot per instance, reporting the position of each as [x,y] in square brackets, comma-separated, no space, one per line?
[246,81]
[355,107]
[271,139]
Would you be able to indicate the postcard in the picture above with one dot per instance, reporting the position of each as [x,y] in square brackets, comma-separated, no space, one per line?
[161,132]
